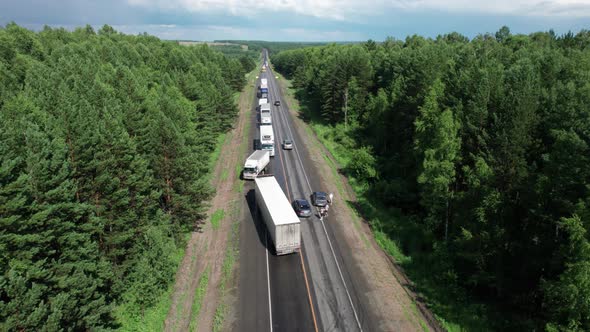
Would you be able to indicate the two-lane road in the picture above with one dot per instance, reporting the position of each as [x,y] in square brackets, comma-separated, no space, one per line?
[299,292]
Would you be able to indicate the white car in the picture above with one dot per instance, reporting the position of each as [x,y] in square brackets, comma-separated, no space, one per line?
[287,144]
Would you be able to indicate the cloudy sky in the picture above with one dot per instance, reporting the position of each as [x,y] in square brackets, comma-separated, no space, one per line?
[301,20]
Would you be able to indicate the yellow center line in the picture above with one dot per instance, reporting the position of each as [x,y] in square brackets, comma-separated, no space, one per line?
[315,324]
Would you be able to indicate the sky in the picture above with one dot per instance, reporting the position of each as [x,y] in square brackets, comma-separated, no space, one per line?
[301,20]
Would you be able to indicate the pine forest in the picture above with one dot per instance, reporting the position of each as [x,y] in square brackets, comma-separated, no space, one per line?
[104,162]
[478,149]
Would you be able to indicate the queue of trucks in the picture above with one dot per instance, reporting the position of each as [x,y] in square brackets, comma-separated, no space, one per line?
[279,217]
[266,137]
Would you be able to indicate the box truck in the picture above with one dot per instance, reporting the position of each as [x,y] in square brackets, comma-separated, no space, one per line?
[255,164]
[281,221]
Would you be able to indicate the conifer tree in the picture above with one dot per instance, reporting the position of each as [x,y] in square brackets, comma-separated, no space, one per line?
[437,146]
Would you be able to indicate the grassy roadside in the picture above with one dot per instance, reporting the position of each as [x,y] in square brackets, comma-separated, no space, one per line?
[394,231]
[222,140]
[217,217]
[232,250]
[250,92]
[231,256]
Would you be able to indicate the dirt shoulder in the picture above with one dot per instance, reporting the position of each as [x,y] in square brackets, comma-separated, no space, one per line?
[206,249]
[390,298]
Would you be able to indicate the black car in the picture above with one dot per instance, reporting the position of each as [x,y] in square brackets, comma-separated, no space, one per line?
[278,103]
[319,198]
[302,208]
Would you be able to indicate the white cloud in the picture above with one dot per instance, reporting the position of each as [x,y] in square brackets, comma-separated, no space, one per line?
[219,32]
[301,34]
[578,8]
[353,10]
[332,9]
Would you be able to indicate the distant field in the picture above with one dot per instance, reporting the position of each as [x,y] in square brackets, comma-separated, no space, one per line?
[231,49]
[251,48]
[235,50]
[191,43]
[273,47]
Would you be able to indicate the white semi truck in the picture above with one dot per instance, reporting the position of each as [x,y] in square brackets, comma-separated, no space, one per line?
[255,164]
[265,114]
[267,139]
[263,88]
[278,215]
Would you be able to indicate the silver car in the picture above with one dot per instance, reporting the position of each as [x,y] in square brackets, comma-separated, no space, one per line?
[287,144]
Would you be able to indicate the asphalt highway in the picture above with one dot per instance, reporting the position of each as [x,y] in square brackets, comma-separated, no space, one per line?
[308,291]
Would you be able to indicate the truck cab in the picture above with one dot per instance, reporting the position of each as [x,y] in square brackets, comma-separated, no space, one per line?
[255,164]
[267,139]
[250,169]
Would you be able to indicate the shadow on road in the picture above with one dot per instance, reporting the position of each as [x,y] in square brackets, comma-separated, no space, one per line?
[256,144]
[263,235]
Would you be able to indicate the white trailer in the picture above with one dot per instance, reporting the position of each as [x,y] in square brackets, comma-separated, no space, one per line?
[262,101]
[278,215]
[265,108]
[255,164]
[265,119]
[267,139]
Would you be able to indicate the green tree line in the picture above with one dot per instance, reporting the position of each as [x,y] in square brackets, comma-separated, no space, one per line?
[273,47]
[104,145]
[248,58]
[484,145]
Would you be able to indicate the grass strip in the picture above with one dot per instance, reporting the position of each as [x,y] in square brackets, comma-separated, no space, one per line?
[221,141]
[198,300]
[249,92]
[232,250]
[216,218]
[227,269]
[224,174]
[219,317]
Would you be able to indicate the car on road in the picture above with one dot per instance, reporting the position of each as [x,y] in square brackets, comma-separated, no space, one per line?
[278,103]
[302,208]
[319,198]
[287,144]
